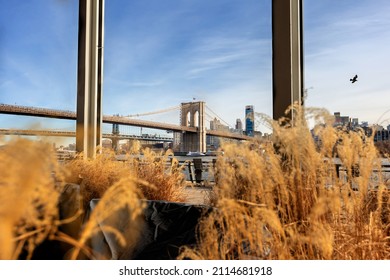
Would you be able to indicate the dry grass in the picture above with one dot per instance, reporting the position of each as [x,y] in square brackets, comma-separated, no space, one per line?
[28,197]
[169,181]
[284,201]
[31,183]
[97,175]
[273,200]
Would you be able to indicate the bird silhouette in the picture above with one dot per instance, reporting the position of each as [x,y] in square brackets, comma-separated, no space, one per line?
[354,79]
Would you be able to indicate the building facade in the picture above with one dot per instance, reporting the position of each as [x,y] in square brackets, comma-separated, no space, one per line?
[249,120]
[238,125]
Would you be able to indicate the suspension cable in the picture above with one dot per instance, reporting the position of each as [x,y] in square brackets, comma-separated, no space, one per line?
[154,112]
[229,125]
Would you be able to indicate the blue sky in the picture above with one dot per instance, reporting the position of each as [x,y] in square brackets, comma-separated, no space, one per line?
[161,53]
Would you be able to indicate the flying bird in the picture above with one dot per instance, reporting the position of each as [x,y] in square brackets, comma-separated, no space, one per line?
[354,79]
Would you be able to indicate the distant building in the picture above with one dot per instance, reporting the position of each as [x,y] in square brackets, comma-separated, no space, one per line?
[341,120]
[176,141]
[238,124]
[249,120]
[379,132]
[355,122]
[337,118]
[217,125]
[258,134]
[213,142]
[344,120]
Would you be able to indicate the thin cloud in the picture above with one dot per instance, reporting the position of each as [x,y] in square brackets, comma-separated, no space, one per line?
[220,53]
[130,84]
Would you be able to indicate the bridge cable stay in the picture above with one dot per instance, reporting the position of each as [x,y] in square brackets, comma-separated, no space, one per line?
[129,132]
[218,117]
[209,117]
[264,119]
[154,112]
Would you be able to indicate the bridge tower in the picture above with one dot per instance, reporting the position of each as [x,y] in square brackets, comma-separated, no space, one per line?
[115,139]
[192,114]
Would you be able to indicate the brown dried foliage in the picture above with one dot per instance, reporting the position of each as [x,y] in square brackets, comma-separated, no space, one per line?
[283,200]
[97,175]
[31,185]
[28,197]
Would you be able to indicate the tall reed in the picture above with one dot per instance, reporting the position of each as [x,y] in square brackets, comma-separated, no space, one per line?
[161,170]
[29,193]
[32,181]
[283,200]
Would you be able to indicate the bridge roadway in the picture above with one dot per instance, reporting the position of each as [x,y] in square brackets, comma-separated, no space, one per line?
[70,115]
[61,133]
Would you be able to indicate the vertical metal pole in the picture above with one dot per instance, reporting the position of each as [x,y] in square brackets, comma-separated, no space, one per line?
[90,76]
[287,61]
[202,127]
[100,74]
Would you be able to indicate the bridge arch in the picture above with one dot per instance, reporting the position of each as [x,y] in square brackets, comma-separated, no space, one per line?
[188,119]
[196,119]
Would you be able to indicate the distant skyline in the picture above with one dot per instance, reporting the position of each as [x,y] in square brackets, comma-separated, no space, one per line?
[159,54]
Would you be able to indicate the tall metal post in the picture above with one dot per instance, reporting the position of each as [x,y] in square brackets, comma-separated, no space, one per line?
[90,76]
[287,61]
[202,127]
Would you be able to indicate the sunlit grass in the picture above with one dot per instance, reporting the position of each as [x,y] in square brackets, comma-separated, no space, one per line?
[97,175]
[278,199]
[29,192]
[283,200]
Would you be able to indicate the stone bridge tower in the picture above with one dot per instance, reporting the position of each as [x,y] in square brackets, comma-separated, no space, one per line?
[192,114]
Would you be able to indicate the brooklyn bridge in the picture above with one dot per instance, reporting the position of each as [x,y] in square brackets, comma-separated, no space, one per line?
[192,126]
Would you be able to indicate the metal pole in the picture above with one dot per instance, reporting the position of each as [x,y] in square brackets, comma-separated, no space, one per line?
[202,127]
[90,77]
[287,61]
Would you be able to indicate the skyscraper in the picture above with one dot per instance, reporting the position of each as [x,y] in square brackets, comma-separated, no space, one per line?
[238,124]
[249,120]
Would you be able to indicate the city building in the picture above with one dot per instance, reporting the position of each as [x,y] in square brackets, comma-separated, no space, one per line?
[217,125]
[176,141]
[249,120]
[355,122]
[337,118]
[341,120]
[380,133]
[239,125]
[213,142]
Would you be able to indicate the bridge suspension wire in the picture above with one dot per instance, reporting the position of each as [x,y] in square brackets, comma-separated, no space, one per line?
[154,112]
[263,119]
[209,117]
[229,125]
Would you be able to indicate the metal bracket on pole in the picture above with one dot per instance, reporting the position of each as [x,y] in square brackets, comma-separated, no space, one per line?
[287,61]
[90,77]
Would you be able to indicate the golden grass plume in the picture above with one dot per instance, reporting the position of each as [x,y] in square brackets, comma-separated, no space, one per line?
[29,192]
[282,199]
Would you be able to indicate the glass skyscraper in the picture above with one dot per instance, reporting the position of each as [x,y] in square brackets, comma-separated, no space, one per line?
[249,120]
